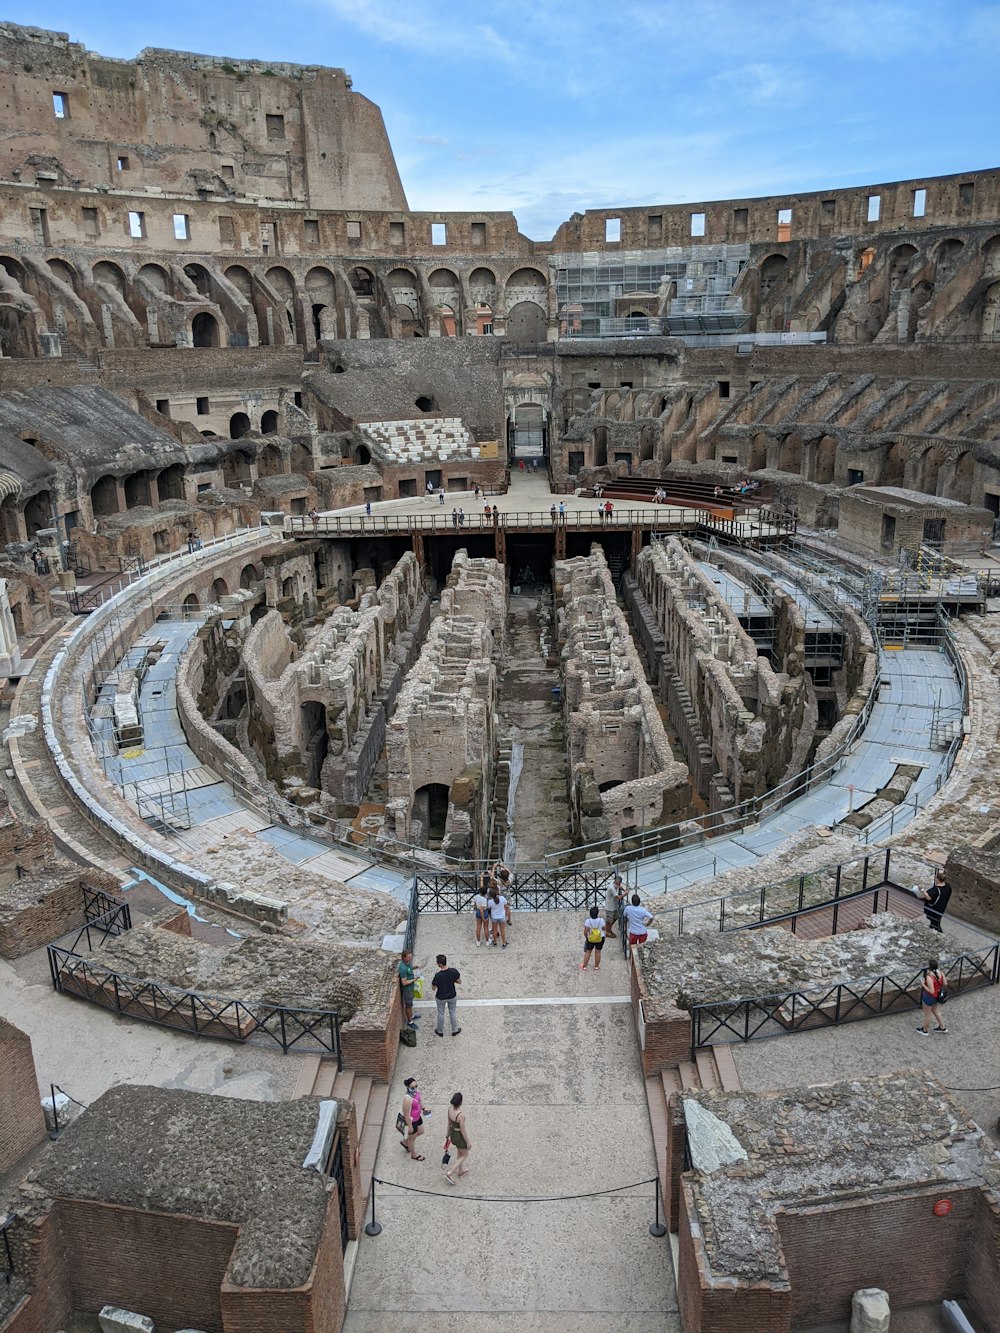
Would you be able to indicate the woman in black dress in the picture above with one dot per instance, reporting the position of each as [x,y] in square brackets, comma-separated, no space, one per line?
[459,1138]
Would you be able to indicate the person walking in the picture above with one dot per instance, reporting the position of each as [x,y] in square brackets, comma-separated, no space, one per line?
[413,1114]
[481,907]
[614,896]
[637,919]
[593,938]
[933,987]
[443,984]
[499,916]
[458,1138]
[454,518]
[496,515]
[461,517]
[936,899]
[368,508]
[407,979]
[441,496]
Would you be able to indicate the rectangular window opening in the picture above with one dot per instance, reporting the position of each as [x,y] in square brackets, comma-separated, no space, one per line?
[163,406]
[182,227]
[439,233]
[201,406]
[275,127]
[612,229]
[697,224]
[966,194]
[828,209]
[298,398]
[227,233]
[784,224]
[60,105]
[227,170]
[397,233]
[122,163]
[310,229]
[874,207]
[91,224]
[919,203]
[723,388]
[654,227]
[741,219]
[40,225]
[353,231]
[136,224]
[479,234]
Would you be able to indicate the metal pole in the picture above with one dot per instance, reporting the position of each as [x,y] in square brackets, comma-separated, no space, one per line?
[657,1228]
[373,1228]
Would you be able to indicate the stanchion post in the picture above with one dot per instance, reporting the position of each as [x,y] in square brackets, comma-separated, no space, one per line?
[657,1228]
[373,1228]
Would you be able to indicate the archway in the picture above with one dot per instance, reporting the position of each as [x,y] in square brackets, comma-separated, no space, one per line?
[790,455]
[961,487]
[899,263]
[948,258]
[932,461]
[200,279]
[239,425]
[154,276]
[826,460]
[430,812]
[991,313]
[38,513]
[362,454]
[270,462]
[894,467]
[205,330]
[9,528]
[137,490]
[63,272]
[170,482]
[104,497]
[220,589]
[758,453]
[248,577]
[315,740]
[237,467]
[362,282]
[526,323]
[269,422]
[109,275]
[190,606]
[772,274]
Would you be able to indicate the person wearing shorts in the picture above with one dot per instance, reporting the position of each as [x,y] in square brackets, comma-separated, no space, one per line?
[932,984]
[637,919]
[613,898]
[593,938]
[481,908]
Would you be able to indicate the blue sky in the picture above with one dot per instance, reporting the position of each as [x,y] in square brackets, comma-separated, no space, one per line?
[551,106]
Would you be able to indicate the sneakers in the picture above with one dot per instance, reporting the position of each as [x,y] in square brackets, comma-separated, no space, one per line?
[456,1032]
[505,944]
[438,1034]
[412,1025]
[940,1029]
[924,1032]
[583,967]
[478,943]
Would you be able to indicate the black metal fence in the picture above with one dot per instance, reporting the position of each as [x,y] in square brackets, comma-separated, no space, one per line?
[533,890]
[751,1018]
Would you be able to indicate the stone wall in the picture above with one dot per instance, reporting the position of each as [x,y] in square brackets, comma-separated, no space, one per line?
[22,1124]
[624,776]
[442,734]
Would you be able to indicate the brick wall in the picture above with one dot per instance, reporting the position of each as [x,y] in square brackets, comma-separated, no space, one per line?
[37,1249]
[676,1142]
[974,876]
[983,1269]
[668,1030]
[723,1305]
[894,1243]
[58,909]
[22,1124]
[371,1050]
[347,1125]
[178,924]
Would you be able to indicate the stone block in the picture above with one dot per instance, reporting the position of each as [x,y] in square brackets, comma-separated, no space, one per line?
[114,1320]
[870,1311]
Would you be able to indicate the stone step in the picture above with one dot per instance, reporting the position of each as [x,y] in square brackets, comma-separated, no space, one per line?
[308,1070]
[708,1071]
[729,1079]
[343,1084]
[325,1076]
[360,1094]
[371,1134]
[688,1072]
[659,1113]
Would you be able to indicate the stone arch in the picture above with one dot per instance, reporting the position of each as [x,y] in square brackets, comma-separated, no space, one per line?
[200,278]
[758,453]
[205,330]
[961,486]
[38,513]
[991,258]
[894,465]
[947,258]
[772,274]
[526,323]
[241,279]
[483,286]
[64,272]
[990,324]
[170,482]
[155,276]
[647,442]
[220,589]
[321,291]
[136,490]
[190,606]
[790,453]
[13,269]
[826,460]
[104,497]
[239,425]
[248,577]
[900,260]
[315,740]
[403,289]
[270,462]
[109,275]
[362,454]
[429,811]
[362,282]
[269,422]
[282,284]
[930,468]
[527,284]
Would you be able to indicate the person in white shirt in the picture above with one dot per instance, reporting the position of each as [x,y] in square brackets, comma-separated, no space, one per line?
[637,919]
[481,908]
[499,915]
[593,938]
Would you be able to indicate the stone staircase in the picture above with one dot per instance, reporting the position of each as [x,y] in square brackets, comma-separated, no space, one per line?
[713,1067]
[320,1078]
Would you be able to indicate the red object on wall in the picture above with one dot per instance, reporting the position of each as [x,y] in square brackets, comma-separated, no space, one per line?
[942,1208]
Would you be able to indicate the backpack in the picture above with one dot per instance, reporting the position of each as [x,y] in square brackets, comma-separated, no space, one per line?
[594,935]
[408,1037]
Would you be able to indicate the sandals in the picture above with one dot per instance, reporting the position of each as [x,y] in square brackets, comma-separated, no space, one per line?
[420,1158]
[450,1179]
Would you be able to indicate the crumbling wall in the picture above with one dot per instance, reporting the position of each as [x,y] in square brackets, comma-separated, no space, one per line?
[443,730]
[623,773]
[22,1124]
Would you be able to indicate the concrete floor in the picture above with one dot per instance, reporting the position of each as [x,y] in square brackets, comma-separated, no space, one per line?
[555,1105]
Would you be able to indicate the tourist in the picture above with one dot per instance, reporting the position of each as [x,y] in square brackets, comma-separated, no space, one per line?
[481,907]
[521,465]
[598,491]
[461,517]
[933,992]
[443,985]
[593,939]
[936,898]
[429,488]
[609,509]
[496,515]
[441,496]
[457,1137]
[475,490]
[454,518]
[552,513]
[562,513]
[407,977]
[191,539]
[614,896]
[368,508]
[637,919]
[413,1114]
[499,916]
[717,492]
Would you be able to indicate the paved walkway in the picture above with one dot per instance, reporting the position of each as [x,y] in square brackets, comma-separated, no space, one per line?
[555,1105]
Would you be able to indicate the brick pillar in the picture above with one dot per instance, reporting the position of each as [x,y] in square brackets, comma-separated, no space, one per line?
[347,1128]
[22,1124]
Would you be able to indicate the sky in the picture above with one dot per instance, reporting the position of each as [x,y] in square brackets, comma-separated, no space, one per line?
[549,107]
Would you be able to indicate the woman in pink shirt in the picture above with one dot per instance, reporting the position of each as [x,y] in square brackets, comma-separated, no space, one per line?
[413,1113]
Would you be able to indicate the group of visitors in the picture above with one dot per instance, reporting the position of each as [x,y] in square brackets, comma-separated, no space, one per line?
[605,511]
[411,1126]
[558,514]
[444,984]
[659,496]
[598,928]
[458,518]
[491,906]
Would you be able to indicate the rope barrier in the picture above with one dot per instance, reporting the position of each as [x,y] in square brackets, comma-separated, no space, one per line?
[506,1198]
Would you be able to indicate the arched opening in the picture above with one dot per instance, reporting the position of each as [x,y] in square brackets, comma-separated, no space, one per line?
[948,258]
[899,263]
[248,577]
[38,513]
[235,702]
[362,282]
[241,280]
[220,589]
[826,460]
[362,454]
[483,285]
[205,330]
[790,456]
[894,467]
[17,615]
[63,272]
[315,740]
[961,487]
[104,497]
[449,322]
[932,461]
[758,453]
[527,436]
[10,530]
[269,422]
[772,275]
[170,482]
[213,142]
[239,425]
[270,462]
[600,446]
[302,459]
[429,814]
[287,588]
[109,275]
[200,279]
[237,468]
[321,291]
[425,403]
[190,606]
[990,325]
[154,276]
[526,323]
[13,269]
[991,258]
[137,490]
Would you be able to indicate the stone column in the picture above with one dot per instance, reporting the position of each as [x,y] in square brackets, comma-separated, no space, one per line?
[10,653]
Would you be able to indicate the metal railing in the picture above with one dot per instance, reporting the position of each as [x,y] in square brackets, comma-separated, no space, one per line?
[531,890]
[439,520]
[754,1017]
[194,1012]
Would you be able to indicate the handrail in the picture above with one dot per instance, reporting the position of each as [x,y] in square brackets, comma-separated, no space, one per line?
[440,520]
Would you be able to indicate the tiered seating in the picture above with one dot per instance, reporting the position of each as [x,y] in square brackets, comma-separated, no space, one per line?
[681,490]
[424,441]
